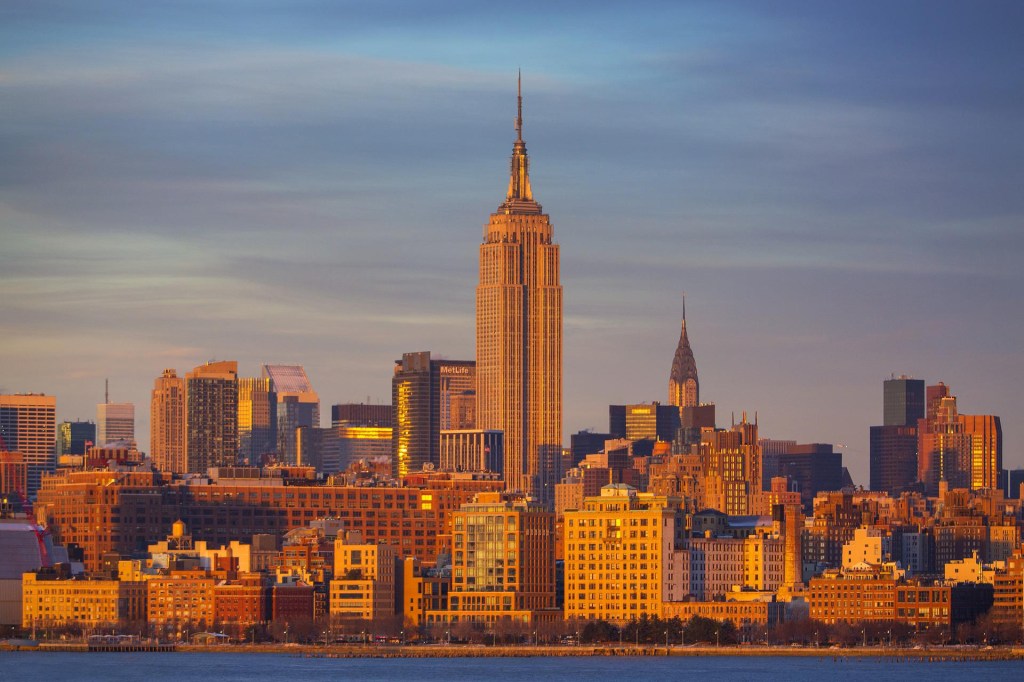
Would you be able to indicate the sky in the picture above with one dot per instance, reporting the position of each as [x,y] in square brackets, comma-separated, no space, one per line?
[836,187]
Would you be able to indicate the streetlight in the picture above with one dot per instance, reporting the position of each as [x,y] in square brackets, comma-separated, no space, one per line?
[666,640]
[864,634]
[816,638]
[718,637]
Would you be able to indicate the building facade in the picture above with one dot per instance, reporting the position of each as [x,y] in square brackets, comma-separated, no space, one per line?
[422,391]
[211,416]
[115,422]
[28,425]
[502,561]
[167,423]
[74,438]
[519,334]
[297,405]
[472,450]
[621,555]
[257,420]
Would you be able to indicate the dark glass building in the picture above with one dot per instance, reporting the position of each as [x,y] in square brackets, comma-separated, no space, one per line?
[893,458]
[74,437]
[644,420]
[361,414]
[902,401]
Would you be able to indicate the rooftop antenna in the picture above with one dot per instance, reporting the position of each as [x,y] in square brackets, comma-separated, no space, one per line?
[519,110]
[106,391]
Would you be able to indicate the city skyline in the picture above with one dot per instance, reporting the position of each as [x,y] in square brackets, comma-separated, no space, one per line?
[835,188]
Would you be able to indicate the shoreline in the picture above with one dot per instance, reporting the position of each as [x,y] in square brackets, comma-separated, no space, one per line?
[931,653]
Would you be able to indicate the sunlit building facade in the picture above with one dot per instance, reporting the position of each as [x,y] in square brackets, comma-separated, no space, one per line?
[28,425]
[502,561]
[115,422]
[167,423]
[422,390]
[257,419]
[621,558]
[211,416]
[519,334]
[683,386]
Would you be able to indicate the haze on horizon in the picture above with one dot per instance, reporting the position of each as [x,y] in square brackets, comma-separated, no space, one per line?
[836,188]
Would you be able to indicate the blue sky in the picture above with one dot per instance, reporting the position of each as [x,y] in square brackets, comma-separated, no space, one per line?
[837,187]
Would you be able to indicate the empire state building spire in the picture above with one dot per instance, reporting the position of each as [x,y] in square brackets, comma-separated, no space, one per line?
[520,196]
[683,387]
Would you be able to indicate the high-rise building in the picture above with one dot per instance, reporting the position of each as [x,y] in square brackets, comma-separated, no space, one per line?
[731,461]
[964,451]
[115,422]
[422,390]
[297,405]
[902,401]
[644,420]
[257,419]
[73,438]
[811,468]
[986,434]
[167,423]
[519,334]
[683,387]
[211,416]
[893,458]
[28,424]
[893,445]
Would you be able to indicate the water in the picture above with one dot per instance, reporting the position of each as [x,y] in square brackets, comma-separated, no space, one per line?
[78,667]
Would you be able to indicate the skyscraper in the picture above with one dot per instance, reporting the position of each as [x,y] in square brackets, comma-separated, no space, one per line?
[211,416]
[28,424]
[519,333]
[257,419]
[167,423]
[683,387]
[297,405]
[965,451]
[894,443]
[114,421]
[422,390]
[902,401]
[73,438]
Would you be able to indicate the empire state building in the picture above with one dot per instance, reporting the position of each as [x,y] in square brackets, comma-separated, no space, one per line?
[519,334]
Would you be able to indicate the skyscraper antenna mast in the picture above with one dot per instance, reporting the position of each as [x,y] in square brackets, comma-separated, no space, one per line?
[519,110]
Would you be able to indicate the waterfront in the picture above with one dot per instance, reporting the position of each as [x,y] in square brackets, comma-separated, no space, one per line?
[228,667]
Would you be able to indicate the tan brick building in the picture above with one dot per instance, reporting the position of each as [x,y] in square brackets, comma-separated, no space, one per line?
[47,601]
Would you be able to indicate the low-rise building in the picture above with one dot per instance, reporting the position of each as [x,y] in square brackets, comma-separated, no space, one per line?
[52,599]
[364,584]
